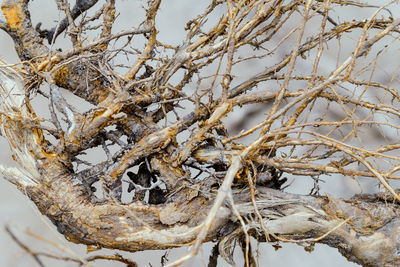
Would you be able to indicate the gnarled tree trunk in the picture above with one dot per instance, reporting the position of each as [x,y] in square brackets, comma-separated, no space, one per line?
[210,186]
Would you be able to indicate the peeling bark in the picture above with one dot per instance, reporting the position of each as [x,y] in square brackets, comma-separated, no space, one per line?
[210,187]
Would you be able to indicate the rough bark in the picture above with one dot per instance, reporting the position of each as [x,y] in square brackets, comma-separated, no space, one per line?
[240,193]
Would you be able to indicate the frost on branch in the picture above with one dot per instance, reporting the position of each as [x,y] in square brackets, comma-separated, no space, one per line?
[175,171]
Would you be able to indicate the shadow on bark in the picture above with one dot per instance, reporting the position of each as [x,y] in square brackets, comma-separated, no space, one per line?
[176,170]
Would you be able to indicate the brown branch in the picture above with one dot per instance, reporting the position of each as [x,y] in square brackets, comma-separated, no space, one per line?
[24,247]
[79,8]
[212,186]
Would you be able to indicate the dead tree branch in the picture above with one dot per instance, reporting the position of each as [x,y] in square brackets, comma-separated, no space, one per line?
[220,183]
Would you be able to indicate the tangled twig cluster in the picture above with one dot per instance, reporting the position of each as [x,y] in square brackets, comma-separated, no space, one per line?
[175,171]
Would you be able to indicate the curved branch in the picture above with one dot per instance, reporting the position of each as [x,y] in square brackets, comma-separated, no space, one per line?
[79,8]
[55,191]
[363,228]
[127,115]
